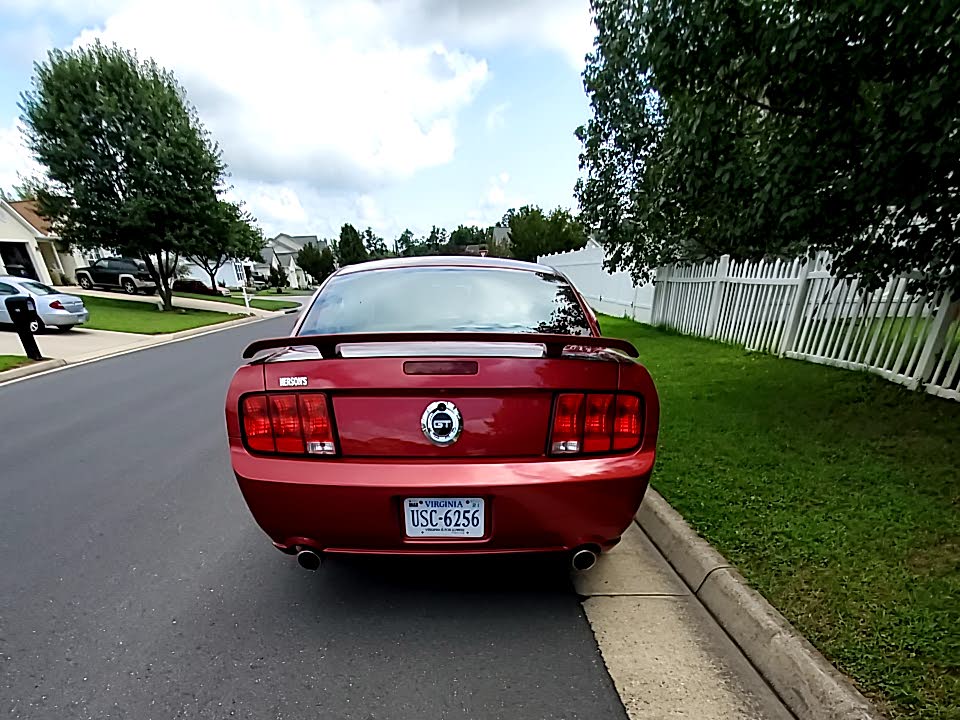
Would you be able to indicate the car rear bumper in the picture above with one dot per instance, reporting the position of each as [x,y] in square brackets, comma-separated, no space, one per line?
[64,318]
[355,506]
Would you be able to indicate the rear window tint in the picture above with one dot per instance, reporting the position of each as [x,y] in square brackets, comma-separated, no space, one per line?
[446,299]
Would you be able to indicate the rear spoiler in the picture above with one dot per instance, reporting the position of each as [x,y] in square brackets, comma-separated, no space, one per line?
[327,344]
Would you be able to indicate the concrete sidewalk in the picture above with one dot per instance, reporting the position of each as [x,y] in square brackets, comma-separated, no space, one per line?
[191,303]
[666,654]
[81,344]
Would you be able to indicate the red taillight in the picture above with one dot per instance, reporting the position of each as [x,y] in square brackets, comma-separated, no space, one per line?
[595,423]
[598,423]
[285,419]
[567,424]
[57,305]
[627,424]
[291,423]
[256,423]
[317,429]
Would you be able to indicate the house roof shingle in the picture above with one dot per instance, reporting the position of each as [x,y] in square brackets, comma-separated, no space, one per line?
[28,210]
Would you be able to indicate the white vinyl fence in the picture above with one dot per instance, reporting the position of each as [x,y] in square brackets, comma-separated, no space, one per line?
[610,293]
[797,309]
[800,310]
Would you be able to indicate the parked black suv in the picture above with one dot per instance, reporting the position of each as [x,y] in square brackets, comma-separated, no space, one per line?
[128,274]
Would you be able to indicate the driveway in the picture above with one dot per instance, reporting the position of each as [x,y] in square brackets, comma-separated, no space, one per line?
[136,585]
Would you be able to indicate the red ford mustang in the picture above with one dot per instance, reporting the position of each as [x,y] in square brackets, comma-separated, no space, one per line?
[443,405]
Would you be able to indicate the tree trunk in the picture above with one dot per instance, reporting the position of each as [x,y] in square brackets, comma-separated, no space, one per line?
[161,276]
[157,276]
[213,280]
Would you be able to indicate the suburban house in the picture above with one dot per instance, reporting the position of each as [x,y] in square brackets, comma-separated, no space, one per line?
[29,247]
[281,252]
[232,274]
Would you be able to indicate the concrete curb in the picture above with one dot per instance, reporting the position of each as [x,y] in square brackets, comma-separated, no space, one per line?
[31,369]
[806,682]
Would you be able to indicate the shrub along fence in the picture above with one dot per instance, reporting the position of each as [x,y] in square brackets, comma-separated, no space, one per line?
[797,309]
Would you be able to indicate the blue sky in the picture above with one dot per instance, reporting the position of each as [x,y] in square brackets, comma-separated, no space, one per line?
[388,113]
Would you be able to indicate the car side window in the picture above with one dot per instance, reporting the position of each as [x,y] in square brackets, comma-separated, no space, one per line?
[7,289]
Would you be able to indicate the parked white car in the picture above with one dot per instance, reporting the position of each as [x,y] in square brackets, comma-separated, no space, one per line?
[54,308]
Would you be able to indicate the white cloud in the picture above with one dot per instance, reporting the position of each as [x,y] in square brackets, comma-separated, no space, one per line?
[561,25]
[294,92]
[494,202]
[496,117]
[319,105]
[15,159]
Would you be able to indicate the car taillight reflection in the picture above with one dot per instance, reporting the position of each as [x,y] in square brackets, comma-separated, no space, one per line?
[592,423]
[288,423]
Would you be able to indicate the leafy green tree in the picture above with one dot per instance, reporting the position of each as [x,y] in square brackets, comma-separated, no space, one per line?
[231,233]
[759,128]
[403,244]
[350,247]
[278,278]
[316,262]
[534,233]
[435,240]
[466,235]
[375,245]
[131,167]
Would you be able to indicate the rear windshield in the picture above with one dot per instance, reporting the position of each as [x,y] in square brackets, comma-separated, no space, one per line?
[38,288]
[446,299]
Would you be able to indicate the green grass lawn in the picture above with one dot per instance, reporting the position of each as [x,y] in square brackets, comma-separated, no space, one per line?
[286,291]
[836,493]
[140,317]
[9,362]
[259,303]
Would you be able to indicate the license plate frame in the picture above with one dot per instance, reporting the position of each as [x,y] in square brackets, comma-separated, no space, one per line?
[444,518]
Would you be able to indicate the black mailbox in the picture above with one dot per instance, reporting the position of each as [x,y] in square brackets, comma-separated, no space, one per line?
[23,311]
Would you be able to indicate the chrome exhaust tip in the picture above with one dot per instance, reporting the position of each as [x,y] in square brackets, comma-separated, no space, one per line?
[583,559]
[308,560]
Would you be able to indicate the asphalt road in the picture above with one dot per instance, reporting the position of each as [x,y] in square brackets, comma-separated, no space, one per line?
[134,583]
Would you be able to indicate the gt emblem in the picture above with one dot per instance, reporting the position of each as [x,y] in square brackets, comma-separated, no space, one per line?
[296,381]
[441,423]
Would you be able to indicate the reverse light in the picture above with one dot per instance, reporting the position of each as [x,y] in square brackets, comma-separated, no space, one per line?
[567,431]
[595,423]
[288,423]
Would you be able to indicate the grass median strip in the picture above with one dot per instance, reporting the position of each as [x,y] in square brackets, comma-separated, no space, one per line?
[9,362]
[836,493]
[140,317]
[259,303]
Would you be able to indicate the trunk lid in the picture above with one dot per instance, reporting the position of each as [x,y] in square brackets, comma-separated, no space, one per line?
[504,397]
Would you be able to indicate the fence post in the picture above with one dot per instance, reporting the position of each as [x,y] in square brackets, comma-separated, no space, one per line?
[659,290]
[936,336]
[716,294]
[796,312]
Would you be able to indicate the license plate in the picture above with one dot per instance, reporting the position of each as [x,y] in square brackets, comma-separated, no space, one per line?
[444,517]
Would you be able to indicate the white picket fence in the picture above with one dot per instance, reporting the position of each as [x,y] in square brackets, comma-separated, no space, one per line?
[796,309]
[610,293]
[800,310]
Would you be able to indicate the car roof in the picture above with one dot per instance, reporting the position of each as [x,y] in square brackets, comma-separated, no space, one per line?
[467,261]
